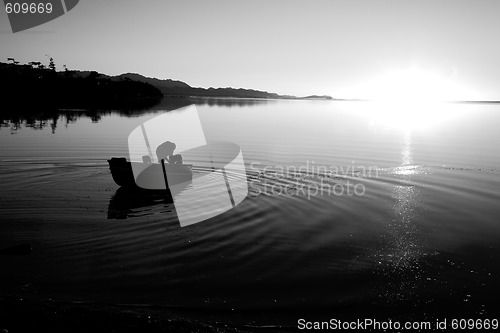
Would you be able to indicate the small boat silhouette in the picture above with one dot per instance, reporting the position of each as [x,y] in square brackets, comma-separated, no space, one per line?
[160,176]
[152,177]
[218,182]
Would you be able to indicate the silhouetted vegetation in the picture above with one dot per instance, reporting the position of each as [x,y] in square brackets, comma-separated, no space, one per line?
[33,87]
[38,87]
[37,96]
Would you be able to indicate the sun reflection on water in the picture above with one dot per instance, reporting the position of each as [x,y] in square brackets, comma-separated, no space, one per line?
[407,168]
[402,251]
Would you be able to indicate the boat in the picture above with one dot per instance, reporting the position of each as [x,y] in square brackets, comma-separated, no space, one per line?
[152,175]
[163,175]
[218,183]
[213,182]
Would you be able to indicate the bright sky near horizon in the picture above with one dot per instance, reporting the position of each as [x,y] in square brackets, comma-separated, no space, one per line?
[346,49]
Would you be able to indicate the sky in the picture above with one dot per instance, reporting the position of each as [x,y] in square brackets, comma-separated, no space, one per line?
[345,49]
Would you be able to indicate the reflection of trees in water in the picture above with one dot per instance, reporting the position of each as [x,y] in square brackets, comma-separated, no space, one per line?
[33,122]
[53,125]
[17,119]
[40,119]
[36,122]
[231,102]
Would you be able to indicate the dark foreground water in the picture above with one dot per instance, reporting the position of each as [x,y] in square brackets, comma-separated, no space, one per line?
[354,210]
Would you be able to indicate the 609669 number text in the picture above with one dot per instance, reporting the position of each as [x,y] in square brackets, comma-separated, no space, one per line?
[28,8]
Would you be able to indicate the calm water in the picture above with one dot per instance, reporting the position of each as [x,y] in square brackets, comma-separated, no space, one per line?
[394,214]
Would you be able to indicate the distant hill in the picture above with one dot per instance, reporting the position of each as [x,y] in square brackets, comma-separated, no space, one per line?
[178,88]
[318,97]
[165,86]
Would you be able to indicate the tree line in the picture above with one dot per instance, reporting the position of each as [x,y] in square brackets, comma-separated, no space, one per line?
[34,85]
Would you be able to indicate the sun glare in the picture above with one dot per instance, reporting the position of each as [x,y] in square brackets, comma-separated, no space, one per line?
[411,99]
[414,85]
[411,116]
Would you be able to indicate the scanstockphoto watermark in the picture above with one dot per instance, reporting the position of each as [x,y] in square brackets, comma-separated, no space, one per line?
[311,180]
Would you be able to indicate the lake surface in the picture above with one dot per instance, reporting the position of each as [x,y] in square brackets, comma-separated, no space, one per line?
[394,214]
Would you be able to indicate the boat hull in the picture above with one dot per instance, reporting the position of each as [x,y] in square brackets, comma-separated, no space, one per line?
[151,177]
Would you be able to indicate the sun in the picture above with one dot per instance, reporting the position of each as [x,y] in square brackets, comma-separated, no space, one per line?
[412,85]
[411,98]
